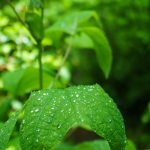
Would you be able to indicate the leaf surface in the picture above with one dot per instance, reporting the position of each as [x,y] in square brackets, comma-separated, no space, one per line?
[70,22]
[50,114]
[6,130]
[24,80]
[102,48]
[90,145]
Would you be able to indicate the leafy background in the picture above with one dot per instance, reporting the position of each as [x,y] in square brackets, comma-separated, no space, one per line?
[126,24]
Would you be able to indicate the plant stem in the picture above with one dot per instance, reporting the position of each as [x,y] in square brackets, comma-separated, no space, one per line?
[40,64]
[63,62]
[38,42]
[16,13]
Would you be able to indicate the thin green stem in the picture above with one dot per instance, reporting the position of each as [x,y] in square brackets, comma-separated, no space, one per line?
[63,62]
[40,48]
[39,45]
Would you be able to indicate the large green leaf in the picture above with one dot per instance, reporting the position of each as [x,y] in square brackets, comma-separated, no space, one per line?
[6,130]
[49,114]
[70,22]
[102,47]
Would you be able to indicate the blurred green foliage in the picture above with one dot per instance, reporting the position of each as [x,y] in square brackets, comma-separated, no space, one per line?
[126,24]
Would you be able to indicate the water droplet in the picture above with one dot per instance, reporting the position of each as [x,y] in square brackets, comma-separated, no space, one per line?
[77,95]
[62,110]
[52,108]
[110,120]
[125,141]
[38,130]
[36,110]
[110,101]
[39,99]
[59,126]
[44,94]
[23,121]
[51,115]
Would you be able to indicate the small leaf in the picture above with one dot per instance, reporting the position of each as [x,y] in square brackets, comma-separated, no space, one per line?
[130,145]
[35,24]
[90,145]
[102,48]
[24,80]
[6,130]
[94,145]
[50,114]
[36,4]
[81,40]
[70,22]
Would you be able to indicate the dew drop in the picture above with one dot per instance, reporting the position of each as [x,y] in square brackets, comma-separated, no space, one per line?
[110,120]
[77,95]
[38,130]
[37,110]
[39,99]
[23,121]
[62,110]
[59,126]
[44,94]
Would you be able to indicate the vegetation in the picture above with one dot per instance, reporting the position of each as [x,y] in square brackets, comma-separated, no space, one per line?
[55,56]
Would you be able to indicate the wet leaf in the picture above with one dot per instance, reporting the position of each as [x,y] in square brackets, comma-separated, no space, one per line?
[50,114]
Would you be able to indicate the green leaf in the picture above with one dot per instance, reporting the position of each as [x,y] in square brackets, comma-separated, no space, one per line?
[50,114]
[91,145]
[5,105]
[81,40]
[24,80]
[6,130]
[35,4]
[94,145]
[102,48]
[35,24]
[71,21]
[130,145]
